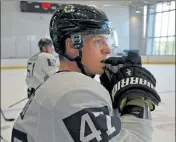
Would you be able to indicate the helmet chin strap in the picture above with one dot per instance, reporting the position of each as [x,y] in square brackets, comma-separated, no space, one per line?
[80,65]
[78,61]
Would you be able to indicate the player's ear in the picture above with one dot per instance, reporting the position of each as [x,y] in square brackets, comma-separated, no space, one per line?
[69,48]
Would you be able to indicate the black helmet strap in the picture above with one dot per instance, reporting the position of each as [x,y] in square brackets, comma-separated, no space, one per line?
[78,60]
[79,63]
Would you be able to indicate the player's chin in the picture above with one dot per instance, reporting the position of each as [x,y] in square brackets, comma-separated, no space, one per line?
[97,70]
[100,71]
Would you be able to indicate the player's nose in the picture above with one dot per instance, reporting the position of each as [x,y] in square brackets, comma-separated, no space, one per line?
[106,51]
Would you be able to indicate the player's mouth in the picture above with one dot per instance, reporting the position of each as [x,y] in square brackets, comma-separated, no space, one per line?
[102,61]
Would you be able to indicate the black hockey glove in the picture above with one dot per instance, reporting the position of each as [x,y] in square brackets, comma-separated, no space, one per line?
[126,79]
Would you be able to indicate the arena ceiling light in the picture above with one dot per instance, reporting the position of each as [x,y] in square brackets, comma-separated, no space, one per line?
[107,5]
[92,5]
[138,11]
[142,2]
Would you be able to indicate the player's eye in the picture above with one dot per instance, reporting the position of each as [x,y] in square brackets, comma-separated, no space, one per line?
[99,41]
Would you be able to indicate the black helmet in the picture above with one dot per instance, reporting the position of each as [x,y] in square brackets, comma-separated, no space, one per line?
[43,42]
[68,20]
[74,21]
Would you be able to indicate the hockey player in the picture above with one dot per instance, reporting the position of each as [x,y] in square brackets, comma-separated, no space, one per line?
[41,65]
[71,106]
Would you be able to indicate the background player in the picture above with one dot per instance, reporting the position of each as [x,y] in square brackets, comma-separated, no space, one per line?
[71,106]
[41,65]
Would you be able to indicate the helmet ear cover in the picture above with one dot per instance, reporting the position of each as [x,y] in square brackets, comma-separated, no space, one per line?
[77,41]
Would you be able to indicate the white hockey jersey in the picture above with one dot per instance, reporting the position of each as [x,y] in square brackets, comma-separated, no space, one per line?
[71,107]
[39,68]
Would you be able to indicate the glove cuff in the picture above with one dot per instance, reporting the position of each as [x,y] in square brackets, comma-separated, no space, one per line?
[138,108]
[130,95]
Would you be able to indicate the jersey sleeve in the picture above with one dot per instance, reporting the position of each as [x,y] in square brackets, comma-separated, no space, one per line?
[87,117]
[135,130]
[49,65]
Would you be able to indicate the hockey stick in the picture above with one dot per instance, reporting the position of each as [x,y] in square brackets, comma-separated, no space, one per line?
[7,119]
[17,102]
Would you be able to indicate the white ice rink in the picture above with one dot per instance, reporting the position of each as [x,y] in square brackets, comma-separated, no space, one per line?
[13,89]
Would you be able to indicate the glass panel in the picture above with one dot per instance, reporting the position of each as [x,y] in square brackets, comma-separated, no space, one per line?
[162,47]
[174,47]
[158,24]
[166,6]
[164,23]
[151,25]
[171,25]
[159,7]
[149,46]
[172,6]
[152,9]
[170,46]
[156,45]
